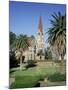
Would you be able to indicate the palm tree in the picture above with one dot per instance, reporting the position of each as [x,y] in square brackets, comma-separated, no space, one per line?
[57,34]
[21,44]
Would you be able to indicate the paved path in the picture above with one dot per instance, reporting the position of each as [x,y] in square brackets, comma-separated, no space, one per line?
[45,84]
[11,80]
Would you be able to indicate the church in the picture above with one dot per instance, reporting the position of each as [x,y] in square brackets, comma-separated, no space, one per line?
[36,47]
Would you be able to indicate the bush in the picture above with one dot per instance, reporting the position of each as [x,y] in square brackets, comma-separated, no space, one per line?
[48,53]
[57,77]
[13,62]
[31,63]
[57,61]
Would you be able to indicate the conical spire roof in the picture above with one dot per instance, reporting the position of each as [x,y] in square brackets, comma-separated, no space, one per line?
[40,27]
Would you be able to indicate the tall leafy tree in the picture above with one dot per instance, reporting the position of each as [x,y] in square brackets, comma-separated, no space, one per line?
[48,53]
[21,44]
[57,34]
[12,37]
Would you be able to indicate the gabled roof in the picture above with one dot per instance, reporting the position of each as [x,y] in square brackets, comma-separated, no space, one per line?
[31,41]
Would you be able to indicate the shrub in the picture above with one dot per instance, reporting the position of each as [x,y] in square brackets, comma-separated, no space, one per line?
[57,77]
[48,53]
[13,62]
[31,63]
[57,61]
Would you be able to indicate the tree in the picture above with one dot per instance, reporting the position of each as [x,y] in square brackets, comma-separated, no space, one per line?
[12,40]
[40,53]
[57,34]
[12,37]
[13,62]
[32,37]
[48,53]
[21,44]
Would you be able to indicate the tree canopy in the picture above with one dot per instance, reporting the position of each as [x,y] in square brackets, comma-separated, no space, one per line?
[57,34]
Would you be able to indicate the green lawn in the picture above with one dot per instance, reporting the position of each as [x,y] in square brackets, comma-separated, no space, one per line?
[30,77]
[25,81]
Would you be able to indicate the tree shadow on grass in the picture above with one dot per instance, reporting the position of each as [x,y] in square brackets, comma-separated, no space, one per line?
[11,71]
[37,85]
[30,66]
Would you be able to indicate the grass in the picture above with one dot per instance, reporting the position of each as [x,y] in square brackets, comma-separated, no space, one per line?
[25,81]
[33,71]
[30,77]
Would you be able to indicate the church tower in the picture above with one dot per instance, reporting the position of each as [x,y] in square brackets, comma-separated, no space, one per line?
[40,38]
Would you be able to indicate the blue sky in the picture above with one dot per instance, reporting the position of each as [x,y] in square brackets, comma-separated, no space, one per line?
[24,16]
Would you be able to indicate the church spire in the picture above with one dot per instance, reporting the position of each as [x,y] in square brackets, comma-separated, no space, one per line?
[40,27]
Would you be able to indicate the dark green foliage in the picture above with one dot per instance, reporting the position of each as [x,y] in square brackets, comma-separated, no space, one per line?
[13,62]
[32,37]
[40,53]
[57,61]
[12,37]
[60,62]
[57,77]
[21,42]
[30,63]
[48,54]
[17,42]
[57,34]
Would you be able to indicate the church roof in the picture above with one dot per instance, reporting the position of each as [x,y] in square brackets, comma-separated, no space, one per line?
[40,27]
[31,41]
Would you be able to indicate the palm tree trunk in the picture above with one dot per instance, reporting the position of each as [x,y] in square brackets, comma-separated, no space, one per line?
[62,64]
[60,57]
[21,63]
